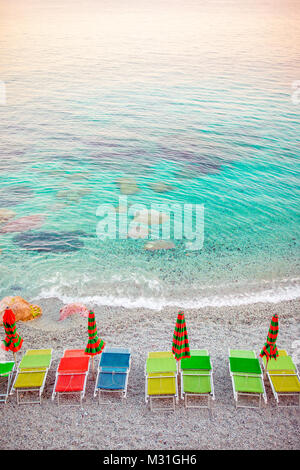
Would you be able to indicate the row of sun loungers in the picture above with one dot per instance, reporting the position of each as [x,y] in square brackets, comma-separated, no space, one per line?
[195,375]
[165,378]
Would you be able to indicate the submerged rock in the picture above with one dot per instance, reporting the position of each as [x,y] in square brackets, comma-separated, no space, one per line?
[55,242]
[78,176]
[14,195]
[161,187]
[159,245]
[198,169]
[23,224]
[22,309]
[127,185]
[6,214]
[137,231]
[150,217]
[72,195]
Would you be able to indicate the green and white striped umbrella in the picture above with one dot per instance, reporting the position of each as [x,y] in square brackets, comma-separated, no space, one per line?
[95,345]
[270,349]
[13,341]
[180,345]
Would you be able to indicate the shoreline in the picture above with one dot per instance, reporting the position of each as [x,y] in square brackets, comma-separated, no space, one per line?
[131,425]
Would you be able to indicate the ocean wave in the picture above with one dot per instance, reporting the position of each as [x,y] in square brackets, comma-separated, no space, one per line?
[272,295]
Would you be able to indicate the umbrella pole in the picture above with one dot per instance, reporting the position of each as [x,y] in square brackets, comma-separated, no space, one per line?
[93,366]
[15,357]
[266,368]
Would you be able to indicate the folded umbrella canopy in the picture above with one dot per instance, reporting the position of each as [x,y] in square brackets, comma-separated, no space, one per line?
[180,345]
[95,345]
[270,349]
[13,340]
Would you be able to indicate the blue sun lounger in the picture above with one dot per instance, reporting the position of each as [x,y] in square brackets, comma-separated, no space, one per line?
[113,371]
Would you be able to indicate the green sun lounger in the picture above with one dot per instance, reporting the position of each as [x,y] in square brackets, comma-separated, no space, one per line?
[7,369]
[196,378]
[246,376]
[161,381]
[31,374]
[284,379]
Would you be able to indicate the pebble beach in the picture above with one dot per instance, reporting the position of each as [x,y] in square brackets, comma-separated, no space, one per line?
[130,425]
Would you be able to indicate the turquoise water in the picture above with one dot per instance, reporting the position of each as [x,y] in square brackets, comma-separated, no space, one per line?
[193,95]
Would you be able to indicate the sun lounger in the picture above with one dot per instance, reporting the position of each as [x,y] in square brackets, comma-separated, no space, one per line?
[153,354]
[161,381]
[113,371]
[196,378]
[246,376]
[6,373]
[71,376]
[32,374]
[74,353]
[284,378]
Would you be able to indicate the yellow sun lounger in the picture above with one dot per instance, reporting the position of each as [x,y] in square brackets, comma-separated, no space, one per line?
[161,380]
[284,378]
[32,373]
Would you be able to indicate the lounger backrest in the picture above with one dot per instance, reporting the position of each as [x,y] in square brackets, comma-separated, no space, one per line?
[244,365]
[35,361]
[161,365]
[74,353]
[6,368]
[115,360]
[196,362]
[38,352]
[281,363]
[73,365]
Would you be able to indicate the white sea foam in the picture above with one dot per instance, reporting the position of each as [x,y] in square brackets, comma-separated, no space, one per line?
[272,295]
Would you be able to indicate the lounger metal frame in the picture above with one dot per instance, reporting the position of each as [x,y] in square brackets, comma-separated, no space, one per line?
[33,389]
[150,398]
[98,390]
[210,396]
[8,378]
[81,393]
[250,394]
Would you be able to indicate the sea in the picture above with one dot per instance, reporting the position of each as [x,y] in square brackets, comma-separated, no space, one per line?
[128,107]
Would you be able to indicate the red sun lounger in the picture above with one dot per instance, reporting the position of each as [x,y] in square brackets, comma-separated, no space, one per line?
[71,376]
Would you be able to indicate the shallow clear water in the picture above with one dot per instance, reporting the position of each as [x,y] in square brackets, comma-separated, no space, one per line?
[194,94]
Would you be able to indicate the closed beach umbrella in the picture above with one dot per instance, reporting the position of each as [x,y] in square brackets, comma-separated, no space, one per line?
[180,345]
[270,349]
[95,345]
[13,340]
